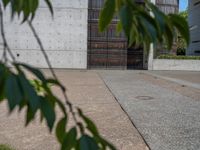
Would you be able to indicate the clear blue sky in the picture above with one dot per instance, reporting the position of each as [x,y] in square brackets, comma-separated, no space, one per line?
[183,4]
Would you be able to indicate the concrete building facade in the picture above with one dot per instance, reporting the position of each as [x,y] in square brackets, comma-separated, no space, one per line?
[71,38]
[194,23]
[64,36]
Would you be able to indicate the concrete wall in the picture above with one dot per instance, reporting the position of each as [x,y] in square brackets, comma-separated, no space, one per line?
[64,37]
[170,64]
[194,23]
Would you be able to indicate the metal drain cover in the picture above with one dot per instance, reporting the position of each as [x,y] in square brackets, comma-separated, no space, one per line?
[144,97]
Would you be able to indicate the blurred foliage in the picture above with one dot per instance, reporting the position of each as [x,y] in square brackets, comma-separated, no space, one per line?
[181,43]
[144,24]
[184,14]
[179,57]
[5,147]
[181,51]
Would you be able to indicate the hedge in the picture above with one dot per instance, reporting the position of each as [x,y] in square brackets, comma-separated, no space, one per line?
[179,57]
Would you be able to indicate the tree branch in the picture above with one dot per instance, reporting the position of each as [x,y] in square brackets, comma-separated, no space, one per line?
[5,44]
[51,69]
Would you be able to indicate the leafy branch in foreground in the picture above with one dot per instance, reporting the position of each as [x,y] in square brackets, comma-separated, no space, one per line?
[19,91]
[144,24]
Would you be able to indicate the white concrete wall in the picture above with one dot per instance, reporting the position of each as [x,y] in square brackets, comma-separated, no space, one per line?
[171,64]
[64,37]
[194,23]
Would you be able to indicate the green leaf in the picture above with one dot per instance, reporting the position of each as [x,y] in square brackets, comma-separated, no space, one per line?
[119,26]
[159,17]
[29,115]
[3,78]
[13,92]
[90,125]
[26,7]
[55,82]
[34,71]
[106,14]
[49,6]
[181,25]
[33,5]
[5,2]
[62,106]
[70,141]
[133,36]
[26,10]
[40,76]
[168,34]
[30,94]
[48,112]
[126,19]
[150,26]
[87,143]
[60,129]
[105,144]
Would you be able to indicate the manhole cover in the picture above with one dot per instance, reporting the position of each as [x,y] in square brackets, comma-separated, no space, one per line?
[144,97]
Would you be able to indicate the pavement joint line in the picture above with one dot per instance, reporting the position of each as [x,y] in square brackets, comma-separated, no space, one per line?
[147,145]
[100,103]
[182,83]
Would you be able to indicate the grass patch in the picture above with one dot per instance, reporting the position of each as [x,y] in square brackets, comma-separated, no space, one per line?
[179,57]
[5,147]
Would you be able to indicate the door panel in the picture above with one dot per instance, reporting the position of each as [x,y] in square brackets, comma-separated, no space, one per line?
[108,49]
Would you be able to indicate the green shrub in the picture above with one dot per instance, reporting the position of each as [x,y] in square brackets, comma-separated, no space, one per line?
[5,147]
[181,51]
[179,57]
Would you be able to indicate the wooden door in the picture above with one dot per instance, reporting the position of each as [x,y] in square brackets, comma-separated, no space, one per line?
[107,49]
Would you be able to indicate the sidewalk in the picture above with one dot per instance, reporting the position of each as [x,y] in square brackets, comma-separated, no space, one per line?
[86,90]
[166,113]
[185,78]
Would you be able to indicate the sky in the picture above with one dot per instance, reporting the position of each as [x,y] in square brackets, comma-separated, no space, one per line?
[183,4]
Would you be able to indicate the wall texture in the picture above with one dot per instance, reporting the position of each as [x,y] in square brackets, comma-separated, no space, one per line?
[194,23]
[64,37]
[168,6]
[170,64]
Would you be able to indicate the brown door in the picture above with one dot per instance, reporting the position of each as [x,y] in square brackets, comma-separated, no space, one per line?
[107,49]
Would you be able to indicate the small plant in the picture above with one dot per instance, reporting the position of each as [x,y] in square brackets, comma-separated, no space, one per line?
[5,147]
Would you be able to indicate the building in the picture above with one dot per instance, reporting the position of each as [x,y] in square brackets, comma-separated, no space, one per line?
[194,23]
[72,39]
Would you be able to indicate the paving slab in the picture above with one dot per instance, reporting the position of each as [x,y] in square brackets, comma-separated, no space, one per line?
[86,90]
[165,113]
[187,78]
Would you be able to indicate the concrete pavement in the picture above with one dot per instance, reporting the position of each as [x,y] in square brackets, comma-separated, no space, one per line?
[166,113]
[190,76]
[86,90]
[185,78]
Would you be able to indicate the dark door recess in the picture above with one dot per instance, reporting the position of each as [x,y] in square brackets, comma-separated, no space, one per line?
[135,57]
